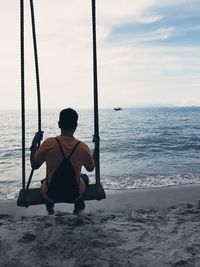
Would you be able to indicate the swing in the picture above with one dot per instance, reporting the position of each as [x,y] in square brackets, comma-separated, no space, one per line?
[31,196]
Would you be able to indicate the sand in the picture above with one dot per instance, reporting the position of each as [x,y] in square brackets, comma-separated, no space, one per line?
[157,227]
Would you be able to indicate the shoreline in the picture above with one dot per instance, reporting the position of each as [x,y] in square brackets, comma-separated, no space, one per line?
[118,200]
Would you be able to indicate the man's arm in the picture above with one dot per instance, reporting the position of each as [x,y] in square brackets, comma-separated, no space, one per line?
[34,164]
[91,168]
[89,161]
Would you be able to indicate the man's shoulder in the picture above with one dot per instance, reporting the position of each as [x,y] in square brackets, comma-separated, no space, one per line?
[83,145]
[49,141]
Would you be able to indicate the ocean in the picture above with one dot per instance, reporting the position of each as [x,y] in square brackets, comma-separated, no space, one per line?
[139,147]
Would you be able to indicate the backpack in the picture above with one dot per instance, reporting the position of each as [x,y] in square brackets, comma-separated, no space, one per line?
[63,186]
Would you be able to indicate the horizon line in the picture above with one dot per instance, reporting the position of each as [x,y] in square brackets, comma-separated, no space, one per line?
[123,107]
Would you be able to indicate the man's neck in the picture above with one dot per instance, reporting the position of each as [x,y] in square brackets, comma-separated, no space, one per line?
[69,133]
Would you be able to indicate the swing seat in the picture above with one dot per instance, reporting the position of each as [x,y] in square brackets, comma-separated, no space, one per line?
[32,196]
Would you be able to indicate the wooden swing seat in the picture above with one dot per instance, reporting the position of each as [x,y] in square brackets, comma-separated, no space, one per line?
[32,196]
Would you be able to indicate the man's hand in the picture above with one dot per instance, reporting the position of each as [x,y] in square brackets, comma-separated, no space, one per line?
[37,139]
[94,155]
[95,139]
[35,145]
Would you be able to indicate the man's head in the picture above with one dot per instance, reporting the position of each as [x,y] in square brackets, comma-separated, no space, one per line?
[68,119]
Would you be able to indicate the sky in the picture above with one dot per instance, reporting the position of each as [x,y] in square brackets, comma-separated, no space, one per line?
[148,53]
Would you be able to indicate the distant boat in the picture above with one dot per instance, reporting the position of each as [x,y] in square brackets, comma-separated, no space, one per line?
[117,108]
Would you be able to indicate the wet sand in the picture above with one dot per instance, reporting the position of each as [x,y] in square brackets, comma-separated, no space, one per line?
[157,227]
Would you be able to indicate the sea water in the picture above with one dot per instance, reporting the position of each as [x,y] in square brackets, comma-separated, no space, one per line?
[139,147]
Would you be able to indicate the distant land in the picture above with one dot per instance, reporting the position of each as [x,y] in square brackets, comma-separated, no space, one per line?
[159,106]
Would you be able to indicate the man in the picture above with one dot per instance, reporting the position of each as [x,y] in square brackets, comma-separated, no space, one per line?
[50,152]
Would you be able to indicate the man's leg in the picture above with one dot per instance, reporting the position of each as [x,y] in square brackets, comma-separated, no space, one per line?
[85,179]
[49,205]
[50,208]
[79,205]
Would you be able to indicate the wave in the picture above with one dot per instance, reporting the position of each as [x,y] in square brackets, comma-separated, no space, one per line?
[10,153]
[149,181]
[10,189]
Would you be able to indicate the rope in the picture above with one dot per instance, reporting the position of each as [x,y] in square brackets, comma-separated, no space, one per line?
[22,92]
[37,78]
[96,115]
[36,64]
[23,86]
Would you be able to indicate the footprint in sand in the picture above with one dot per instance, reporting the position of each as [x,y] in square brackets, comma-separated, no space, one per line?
[193,249]
[27,237]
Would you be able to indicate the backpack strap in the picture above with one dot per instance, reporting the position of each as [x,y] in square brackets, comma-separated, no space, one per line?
[74,149]
[63,151]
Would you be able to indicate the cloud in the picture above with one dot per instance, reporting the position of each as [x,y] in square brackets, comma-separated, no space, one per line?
[148,19]
[143,52]
[157,35]
[160,34]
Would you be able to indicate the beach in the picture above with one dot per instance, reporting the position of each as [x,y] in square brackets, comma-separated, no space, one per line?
[151,227]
